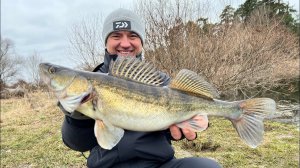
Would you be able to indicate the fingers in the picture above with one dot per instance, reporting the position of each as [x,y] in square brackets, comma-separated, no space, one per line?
[190,135]
[175,132]
[189,127]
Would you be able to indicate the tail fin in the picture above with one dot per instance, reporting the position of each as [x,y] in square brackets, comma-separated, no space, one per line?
[250,125]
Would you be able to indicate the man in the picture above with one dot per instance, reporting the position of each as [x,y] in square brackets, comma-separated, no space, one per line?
[124,35]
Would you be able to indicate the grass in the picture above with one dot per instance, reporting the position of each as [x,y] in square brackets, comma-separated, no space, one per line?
[31,134]
[31,137]
[221,142]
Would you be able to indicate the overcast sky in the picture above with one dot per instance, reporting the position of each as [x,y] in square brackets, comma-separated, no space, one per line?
[41,26]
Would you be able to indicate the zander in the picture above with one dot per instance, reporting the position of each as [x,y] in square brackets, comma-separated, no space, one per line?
[131,97]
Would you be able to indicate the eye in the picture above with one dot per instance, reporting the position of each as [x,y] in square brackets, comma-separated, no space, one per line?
[134,35]
[115,35]
[51,70]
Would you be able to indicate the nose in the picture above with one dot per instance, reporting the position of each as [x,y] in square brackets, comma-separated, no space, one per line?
[125,42]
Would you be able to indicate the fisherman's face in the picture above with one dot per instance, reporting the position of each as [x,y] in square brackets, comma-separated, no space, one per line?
[124,43]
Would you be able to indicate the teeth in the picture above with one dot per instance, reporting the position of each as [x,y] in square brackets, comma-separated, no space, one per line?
[124,52]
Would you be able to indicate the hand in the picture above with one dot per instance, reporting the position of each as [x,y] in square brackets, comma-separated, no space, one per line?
[176,133]
[189,127]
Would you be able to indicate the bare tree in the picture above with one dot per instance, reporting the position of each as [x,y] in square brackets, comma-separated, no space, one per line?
[86,44]
[161,15]
[8,62]
[32,64]
[240,60]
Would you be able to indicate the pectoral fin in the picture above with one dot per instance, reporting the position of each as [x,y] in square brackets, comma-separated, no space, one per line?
[107,135]
[196,124]
[71,103]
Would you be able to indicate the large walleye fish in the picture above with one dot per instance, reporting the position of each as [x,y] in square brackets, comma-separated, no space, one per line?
[131,98]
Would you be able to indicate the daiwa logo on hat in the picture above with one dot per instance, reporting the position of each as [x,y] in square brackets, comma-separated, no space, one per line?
[121,25]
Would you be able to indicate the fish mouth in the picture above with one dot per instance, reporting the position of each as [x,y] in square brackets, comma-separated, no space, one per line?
[48,78]
[45,79]
[43,75]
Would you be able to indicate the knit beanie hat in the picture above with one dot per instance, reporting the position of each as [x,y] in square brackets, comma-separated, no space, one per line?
[123,19]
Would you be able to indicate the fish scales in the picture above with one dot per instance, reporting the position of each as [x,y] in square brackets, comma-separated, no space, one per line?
[123,104]
[126,100]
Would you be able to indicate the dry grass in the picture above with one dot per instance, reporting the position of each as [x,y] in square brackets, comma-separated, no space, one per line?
[31,137]
[31,134]
[221,142]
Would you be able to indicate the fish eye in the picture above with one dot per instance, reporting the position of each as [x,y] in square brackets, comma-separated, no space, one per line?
[51,70]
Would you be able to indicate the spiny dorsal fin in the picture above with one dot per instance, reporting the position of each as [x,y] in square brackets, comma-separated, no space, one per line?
[191,82]
[135,69]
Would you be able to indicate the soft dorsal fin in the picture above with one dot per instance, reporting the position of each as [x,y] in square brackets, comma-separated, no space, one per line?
[189,81]
[135,69]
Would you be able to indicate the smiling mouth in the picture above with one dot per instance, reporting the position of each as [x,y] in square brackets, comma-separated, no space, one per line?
[125,53]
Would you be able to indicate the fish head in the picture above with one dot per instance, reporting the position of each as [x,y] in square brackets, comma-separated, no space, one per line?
[56,77]
[71,88]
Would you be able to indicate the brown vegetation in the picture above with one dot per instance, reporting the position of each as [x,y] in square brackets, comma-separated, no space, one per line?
[12,92]
[240,59]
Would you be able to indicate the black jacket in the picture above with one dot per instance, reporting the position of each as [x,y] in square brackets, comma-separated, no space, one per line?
[134,149]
